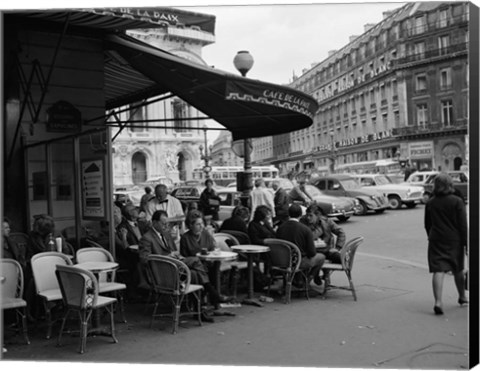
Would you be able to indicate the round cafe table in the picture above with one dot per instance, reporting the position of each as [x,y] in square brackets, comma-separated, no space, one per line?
[250,251]
[217,257]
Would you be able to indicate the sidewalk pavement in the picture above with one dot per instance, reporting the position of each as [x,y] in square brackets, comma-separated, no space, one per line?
[392,325]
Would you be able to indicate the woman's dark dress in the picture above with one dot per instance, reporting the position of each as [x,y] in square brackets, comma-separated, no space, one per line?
[446,226]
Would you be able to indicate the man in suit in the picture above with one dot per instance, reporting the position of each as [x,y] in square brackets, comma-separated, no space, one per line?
[302,236]
[158,240]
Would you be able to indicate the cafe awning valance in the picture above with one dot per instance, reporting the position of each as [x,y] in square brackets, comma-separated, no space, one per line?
[248,108]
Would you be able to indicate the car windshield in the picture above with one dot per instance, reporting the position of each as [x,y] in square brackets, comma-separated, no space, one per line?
[349,184]
[313,191]
[382,180]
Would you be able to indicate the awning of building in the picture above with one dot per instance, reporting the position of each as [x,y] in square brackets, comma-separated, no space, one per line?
[121,19]
[248,108]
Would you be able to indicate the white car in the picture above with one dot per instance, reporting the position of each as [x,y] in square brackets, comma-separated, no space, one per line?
[397,194]
[419,178]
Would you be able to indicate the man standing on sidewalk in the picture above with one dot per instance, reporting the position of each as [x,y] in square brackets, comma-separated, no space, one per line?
[302,236]
[281,202]
[261,196]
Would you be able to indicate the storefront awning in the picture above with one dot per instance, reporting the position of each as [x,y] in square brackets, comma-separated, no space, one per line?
[248,108]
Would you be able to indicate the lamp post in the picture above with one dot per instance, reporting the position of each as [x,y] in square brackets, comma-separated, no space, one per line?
[333,152]
[207,155]
[243,62]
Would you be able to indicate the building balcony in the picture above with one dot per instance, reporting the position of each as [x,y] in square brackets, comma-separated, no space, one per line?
[432,54]
[436,128]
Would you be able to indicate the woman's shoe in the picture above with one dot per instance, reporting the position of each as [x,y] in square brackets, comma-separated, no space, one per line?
[463,301]
[438,310]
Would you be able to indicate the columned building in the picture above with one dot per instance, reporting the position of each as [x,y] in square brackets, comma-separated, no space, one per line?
[142,150]
[399,91]
[222,152]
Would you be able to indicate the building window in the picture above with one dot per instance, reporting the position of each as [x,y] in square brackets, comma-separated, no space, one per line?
[446,78]
[419,50]
[443,44]
[447,113]
[179,108]
[421,82]
[443,18]
[422,115]
[394,90]
[137,114]
[419,25]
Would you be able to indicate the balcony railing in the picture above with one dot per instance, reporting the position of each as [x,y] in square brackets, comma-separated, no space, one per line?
[411,130]
[424,56]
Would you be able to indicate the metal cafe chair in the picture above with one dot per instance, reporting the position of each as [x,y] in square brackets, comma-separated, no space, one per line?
[347,254]
[43,269]
[171,277]
[106,281]
[80,290]
[12,292]
[285,258]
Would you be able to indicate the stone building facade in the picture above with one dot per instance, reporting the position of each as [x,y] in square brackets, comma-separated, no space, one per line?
[399,91]
[142,152]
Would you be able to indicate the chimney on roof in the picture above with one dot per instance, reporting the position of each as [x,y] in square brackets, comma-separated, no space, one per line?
[387,13]
[353,37]
[331,52]
[368,26]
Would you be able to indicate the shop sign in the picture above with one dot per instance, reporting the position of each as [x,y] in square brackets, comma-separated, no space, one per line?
[93,191]
[63,117]
[420,150]
[367,138]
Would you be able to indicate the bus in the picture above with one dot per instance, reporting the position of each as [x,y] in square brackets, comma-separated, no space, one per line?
[385,166]
[224,175]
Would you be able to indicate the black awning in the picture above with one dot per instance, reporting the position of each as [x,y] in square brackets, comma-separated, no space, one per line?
[248,108]
[121,19]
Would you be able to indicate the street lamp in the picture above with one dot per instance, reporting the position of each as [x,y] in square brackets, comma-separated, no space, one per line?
[333,152]
[207,155]
[243,62]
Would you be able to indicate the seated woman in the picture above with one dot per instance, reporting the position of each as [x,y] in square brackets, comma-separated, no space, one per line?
[192,242]
[325,229]
[42,235]
[260,227]
[10,248]
[238,221]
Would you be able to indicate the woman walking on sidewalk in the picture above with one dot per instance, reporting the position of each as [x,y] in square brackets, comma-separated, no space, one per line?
[446,226]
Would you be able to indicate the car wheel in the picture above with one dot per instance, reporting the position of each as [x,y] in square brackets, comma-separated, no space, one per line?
[394,202]
[426,197]
[411,205]
[362,208]
[343,218]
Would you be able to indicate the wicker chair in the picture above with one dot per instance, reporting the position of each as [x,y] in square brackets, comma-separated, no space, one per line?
[285,258]
[106,281]
[80,290]
[12,292]
[171,277]
[43,269]
[347,254]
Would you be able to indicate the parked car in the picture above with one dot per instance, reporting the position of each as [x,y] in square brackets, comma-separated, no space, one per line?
[229,198]
[421,177]
[285,183]
[128,197]
[344,185]
[187,194]
[341,208]
[397,194]
[460,183]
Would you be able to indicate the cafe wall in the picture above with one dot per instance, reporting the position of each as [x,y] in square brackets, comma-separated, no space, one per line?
[49,170]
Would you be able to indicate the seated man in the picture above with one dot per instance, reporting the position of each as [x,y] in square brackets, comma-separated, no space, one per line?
[325,229]
[158,240]
[302,236]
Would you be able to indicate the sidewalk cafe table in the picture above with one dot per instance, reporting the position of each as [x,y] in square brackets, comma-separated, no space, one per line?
[250,251]
[97,267]
[216,257]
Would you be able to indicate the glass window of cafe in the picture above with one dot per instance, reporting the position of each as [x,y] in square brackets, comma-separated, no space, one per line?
[68,180]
